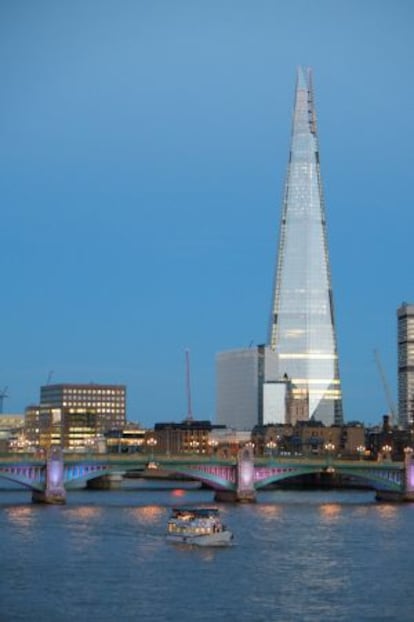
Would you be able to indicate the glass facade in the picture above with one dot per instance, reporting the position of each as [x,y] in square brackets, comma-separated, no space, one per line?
[406,365]
[302,327]
[107,401]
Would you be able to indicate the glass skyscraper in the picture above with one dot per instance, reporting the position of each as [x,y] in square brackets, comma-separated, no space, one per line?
[302,327]
[406,365]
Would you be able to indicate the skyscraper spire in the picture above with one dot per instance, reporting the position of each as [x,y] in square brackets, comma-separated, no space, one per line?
[302,327]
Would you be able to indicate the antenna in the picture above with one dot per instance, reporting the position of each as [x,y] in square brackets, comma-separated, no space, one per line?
[49,376]
[188,386]
[3,395]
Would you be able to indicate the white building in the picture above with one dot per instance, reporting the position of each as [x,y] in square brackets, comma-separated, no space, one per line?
[249,391]
[275,397]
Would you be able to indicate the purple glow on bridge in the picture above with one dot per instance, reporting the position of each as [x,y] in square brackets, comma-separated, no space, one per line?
[247,474]
[411,476]
[54,473]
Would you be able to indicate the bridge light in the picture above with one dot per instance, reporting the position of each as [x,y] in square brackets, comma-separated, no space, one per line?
[408,451]
[386,452]
[194,446]
[271,446]
[361,449]
[152,442]
[213,444]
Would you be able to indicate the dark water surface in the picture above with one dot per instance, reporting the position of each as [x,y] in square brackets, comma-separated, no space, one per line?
[297,557]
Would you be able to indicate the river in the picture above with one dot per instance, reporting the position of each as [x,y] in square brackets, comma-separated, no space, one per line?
[298,556]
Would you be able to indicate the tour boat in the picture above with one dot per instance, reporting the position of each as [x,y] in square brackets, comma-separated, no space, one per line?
[198,526]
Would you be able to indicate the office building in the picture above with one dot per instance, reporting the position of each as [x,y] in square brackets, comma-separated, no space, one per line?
[189,436]
[106,401]
[73,429]
[302,326]
[405,315]
[247,381]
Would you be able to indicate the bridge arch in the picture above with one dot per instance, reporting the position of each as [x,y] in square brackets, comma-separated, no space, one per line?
[377,478]
[26,477]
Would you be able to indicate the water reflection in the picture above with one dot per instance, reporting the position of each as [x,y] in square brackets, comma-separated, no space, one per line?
[84,512]
[269,512]
[387,511]
[22,516]
[330,512]
[82,525]
[147,514]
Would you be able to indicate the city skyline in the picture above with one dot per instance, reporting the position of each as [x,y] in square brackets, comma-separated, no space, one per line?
[143,152]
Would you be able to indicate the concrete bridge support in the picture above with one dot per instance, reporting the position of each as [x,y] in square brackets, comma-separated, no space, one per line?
[245,491]
[407,491]
[54,492]
[408,477]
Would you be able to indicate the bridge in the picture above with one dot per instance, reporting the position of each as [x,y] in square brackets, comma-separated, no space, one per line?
[232,479]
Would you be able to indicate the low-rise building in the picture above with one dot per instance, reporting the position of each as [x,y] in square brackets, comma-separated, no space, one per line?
[189,436]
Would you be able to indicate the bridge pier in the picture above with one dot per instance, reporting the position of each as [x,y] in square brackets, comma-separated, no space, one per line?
[54,492]
[407,493]
[245,491]
[408,477]
[112,481]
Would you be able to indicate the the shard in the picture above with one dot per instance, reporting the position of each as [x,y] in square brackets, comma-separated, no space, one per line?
[302,327]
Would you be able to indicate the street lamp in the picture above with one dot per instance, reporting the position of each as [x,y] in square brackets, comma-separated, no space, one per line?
[90,445]
[250,445]
[213,444]
[194,446]
[152,442]
[361,451]
[386,452]
[271,446]
[408,451]
[329,448]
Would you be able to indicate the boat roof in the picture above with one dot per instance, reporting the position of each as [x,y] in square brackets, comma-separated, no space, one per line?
[195,510]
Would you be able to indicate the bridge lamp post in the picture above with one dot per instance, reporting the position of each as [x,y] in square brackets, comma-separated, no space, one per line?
[407,453]
[386,452]
[329,448]
[250,445]
[213,444]
[194,446]
[152,442]
[271,446]
[361,451]
[90,445]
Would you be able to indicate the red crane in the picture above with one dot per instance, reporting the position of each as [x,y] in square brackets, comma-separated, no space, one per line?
[188,386]
[3,395]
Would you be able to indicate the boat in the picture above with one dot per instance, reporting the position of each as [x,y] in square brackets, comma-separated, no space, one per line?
[197,526]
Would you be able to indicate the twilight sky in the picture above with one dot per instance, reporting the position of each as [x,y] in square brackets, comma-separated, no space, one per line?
[143,150]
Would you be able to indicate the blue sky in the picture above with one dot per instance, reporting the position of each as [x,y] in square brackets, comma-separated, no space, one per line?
[143,150]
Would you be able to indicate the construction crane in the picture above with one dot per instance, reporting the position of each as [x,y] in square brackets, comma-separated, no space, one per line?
[386,387]
[188,386]
[3,395]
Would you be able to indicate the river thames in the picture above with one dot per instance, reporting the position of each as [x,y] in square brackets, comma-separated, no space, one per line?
[298,556]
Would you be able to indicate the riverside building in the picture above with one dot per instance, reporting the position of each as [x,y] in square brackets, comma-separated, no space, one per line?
[75,416]
[106,401]
[405,315]
[242,376]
